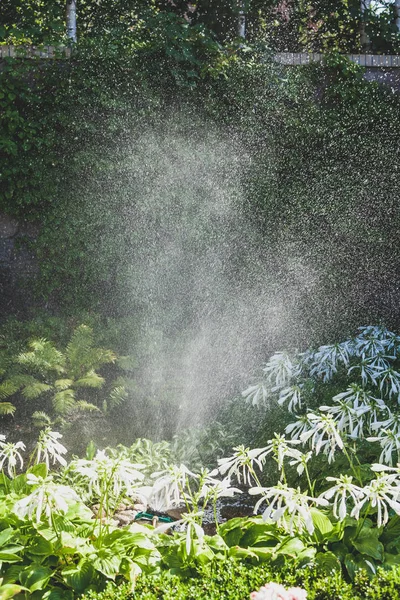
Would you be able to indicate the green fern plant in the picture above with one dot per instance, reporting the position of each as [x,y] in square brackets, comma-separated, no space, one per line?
[60,377]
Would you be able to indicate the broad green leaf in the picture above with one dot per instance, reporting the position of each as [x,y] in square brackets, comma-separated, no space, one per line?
[35,577]
[391,560]
[217,543]
[5,535]
[391,530]
[9,557]
[129,569]
[263,553]
[306,556]
[127,539]
[41,547]
[327,562]
[78,510]
[233,536]
[367,543]
[321,522]
[106,562]
[11,574]
[78,577]
[355,563]
[58,594]
[40,470]
[237,522]
[291,546]
[9,590]
[339,550]
[257,534]
[241,553]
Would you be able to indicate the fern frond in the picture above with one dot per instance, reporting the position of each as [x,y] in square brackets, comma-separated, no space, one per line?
[117,396]
[79,349]
[43,357]
[83,405]
[6,408]
[8,388]
[81,354]
[91,379]
[63,401]
[101,356]
[22,379]
[63,384]
[41,419]
[34,390]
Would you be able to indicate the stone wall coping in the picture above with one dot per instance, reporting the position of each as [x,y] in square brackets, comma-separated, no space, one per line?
[284,58]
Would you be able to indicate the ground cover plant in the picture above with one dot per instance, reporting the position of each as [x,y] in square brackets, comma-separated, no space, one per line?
[346,522]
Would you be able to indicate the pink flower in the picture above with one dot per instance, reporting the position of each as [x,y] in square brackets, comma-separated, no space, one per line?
[270,591]
[276,591]
[296,593]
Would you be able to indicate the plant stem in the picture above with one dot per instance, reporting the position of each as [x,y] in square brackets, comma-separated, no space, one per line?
[361,524]
[355,473]
[310,485]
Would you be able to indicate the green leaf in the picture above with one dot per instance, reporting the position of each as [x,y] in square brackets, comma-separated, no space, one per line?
[367,543]
[291,546]
[321,521]
[18,484]
[391,560]
[106,562]
[9,590]
[327,562]
[9,554]
[259,534]
[391,530]
[5,535]
[355,563]
[339,550]
[217,543]
[78,577]
[241,553]
[58,594]
[41,547]
[40,470]
[129,569]
[263,553]
[35,577]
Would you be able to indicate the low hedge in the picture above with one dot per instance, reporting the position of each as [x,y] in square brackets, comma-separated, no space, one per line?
[235,581]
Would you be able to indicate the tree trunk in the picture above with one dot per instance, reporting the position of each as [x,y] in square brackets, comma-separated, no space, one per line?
[397,13]
[71,20]
[241,24]
[364,39]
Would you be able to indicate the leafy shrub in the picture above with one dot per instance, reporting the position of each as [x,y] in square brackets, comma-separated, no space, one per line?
[234,581]
[60,379]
